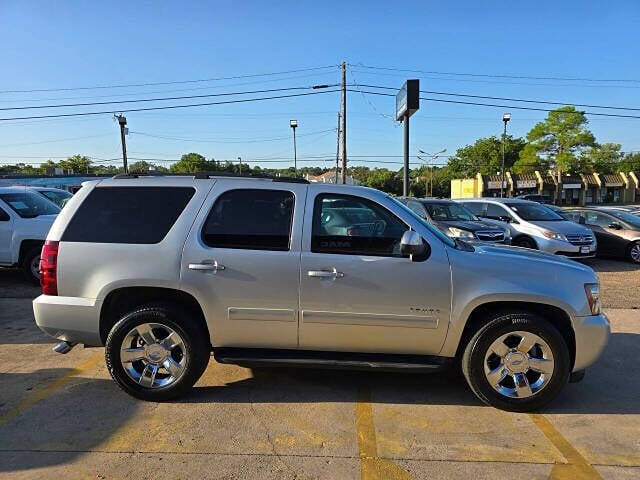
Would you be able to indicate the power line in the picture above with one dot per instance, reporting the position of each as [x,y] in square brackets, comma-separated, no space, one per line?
[507,98]
[617,115]
[177,82]
[516,77]
[168,107]
[255,140]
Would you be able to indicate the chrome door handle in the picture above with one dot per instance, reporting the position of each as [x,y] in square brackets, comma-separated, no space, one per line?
[325,274]
[215,266]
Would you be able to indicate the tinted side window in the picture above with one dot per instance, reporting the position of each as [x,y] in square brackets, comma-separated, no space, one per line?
[496,211]
[252,219]
[417,208]
[352,225]
[475,207]
[600,219]
[127,214]
[4,216]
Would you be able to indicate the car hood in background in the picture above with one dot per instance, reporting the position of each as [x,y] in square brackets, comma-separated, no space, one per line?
[563,226]
[471,226]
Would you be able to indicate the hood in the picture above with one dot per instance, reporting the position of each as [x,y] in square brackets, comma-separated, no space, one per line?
[519,254]
[563,226]
[469,225]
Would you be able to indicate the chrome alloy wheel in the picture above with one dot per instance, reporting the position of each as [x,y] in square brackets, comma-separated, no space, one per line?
[153,355]
[518,364]
[634,253]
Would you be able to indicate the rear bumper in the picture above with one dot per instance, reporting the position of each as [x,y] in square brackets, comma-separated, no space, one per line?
[73,319]
[592,334]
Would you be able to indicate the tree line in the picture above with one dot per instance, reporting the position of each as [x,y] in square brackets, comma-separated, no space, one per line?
[562,142]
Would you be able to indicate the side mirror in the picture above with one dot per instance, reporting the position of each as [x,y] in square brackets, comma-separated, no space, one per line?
[412,244]
[615,226]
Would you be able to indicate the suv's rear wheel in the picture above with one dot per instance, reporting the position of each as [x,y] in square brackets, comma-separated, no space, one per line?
[156,352]
[516,362]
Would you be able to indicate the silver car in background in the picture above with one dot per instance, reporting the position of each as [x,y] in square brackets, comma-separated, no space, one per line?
[536,226]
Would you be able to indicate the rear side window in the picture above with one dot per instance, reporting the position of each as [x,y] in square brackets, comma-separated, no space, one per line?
[251,219]
[475,207]
[127,214]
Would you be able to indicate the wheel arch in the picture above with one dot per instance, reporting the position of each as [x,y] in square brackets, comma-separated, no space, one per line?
[514,240]
[27,245]
[122,300]
[554,314]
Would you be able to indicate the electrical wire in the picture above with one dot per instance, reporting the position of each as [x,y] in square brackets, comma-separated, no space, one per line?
[616,115]
[255,140]
[176,82]
[168,107]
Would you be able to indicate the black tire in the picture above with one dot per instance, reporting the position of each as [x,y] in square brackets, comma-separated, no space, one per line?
[196,355]
[630,249]
[32,255]
[474,357]
[526,242]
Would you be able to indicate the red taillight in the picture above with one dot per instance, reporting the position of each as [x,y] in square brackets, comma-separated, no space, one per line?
[49,268]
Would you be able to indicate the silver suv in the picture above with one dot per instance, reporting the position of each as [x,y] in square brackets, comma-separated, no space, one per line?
[272,271]
[536,226]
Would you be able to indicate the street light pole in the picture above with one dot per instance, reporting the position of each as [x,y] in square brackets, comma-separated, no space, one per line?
[505,118]
[294,125]
[123,131]
[432,160]
[240,160]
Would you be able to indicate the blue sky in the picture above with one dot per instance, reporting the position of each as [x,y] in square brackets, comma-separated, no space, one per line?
[77,44]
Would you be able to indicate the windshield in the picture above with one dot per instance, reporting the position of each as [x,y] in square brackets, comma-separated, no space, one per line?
[448,211]
[626,217]
[29,204]
[59,198]
[424,222]
[534,212]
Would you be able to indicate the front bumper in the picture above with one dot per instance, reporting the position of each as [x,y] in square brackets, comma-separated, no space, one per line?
[72,319]
[592,334]
[558,247]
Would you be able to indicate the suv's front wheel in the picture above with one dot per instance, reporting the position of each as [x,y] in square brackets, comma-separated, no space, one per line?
[156,352]
[517,362]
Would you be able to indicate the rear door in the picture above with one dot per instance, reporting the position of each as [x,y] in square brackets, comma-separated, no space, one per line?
[610,242]
[6,232]
[242,261]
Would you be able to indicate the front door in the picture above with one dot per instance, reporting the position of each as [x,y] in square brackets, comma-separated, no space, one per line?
[610,242]
[357,292]
[242,259]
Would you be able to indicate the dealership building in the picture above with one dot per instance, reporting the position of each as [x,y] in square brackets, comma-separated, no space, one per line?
[580,189]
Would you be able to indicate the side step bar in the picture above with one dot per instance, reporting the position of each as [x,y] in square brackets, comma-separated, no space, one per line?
[251,357]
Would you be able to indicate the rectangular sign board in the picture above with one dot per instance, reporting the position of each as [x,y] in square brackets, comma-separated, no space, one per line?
[494,185]
[408,99]
[526,184]
[568,186]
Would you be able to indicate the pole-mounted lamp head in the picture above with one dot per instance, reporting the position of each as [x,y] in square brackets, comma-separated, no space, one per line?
[293,123]
[506,117]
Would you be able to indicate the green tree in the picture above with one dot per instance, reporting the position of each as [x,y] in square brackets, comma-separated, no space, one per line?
[630,162]
[485,156]
[603,158]
[559,140]
[192,163]
[78,163]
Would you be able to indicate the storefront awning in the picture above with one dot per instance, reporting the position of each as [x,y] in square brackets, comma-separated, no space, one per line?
[571,182]
[494,181]
[612,180]
[525,180]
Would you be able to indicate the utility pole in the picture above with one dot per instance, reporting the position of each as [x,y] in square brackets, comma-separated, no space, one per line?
[123,131]
[344,122]
[505,118]
[240,160]
[338,148]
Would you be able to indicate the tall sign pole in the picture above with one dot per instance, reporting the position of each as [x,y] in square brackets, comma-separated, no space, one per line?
[407,103]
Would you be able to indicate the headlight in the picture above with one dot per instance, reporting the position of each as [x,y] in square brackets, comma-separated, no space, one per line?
[459,233]
[507,234]
[554,235]
[593,297]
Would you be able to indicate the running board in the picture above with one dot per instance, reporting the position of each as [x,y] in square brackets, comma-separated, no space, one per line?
[252,357]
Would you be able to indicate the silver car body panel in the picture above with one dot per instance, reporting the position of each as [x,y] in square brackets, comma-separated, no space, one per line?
[267,299]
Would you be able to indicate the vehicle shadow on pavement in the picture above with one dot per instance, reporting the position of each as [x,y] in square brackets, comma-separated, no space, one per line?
[611,265]
[608,387]
[44,423]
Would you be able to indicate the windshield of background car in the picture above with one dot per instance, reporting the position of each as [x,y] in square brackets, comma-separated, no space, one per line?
[627,217]
[448,211]
[59,198]
[424,222]
[29,204]
[534,212]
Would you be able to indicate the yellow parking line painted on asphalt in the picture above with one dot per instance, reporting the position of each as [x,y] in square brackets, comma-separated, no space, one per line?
[371,466]
[47,391]
[577,466]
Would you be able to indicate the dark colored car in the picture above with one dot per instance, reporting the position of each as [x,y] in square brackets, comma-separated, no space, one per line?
[456,220]
[617,232]
[536,198]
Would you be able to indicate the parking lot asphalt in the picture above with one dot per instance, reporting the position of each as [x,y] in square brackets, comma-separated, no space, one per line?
[61,416]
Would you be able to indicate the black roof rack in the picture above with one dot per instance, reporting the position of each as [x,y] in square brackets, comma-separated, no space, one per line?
[207,175]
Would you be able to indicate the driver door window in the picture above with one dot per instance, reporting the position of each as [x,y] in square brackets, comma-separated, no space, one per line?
[348,225]
[496,212]
[599,219]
